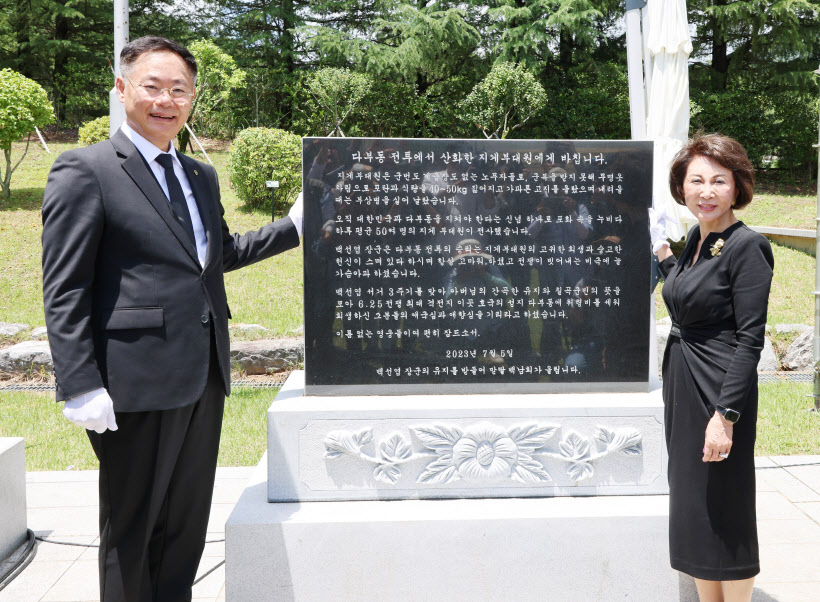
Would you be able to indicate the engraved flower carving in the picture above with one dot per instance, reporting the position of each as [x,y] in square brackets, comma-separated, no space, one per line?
[485,452]
[482,452]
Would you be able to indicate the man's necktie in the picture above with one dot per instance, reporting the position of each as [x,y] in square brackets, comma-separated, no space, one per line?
[177,197]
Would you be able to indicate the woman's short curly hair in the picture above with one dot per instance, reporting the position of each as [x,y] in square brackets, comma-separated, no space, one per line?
[726,151]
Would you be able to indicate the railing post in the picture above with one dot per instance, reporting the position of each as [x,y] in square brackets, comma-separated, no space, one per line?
[816,393]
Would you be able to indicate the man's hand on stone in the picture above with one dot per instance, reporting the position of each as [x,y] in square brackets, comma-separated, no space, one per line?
[93,411]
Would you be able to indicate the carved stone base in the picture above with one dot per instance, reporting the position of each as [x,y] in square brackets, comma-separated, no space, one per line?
[12,494]
[581,549]
[463,446]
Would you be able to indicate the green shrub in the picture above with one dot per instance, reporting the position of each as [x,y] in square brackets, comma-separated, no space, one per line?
[260,154]
[24,105]
[94,131]
[777,128]
[504,100]
[592,106]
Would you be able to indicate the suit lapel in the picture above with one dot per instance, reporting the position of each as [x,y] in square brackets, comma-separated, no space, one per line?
[137,168]
[196,178]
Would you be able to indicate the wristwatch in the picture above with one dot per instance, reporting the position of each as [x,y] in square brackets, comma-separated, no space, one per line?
[728,414]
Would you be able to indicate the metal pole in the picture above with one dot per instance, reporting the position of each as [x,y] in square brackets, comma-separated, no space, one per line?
[634,65]
[198,143]
[816,394]
[42,141]
[116,110]
[273,185]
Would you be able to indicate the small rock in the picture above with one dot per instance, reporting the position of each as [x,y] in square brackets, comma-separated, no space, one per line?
[800,354]
[798,328]
[299,330]
[665,321]
[39,334]
[12,329]
[248,329]
[267,356]
[662,334]
[768,358]
[28,357]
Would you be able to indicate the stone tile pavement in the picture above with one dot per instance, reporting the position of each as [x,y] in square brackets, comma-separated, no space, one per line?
[63,506]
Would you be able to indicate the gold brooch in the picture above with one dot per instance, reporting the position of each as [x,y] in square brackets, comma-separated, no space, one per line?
[717,247]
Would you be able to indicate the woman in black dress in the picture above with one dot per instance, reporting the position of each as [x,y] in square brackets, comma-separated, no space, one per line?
[717,294]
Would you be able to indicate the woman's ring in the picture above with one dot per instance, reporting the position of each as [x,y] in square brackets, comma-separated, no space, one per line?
[724,456]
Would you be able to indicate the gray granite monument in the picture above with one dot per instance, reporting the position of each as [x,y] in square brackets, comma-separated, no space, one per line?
[477,343]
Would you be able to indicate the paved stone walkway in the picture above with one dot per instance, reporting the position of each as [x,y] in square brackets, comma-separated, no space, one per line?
[63,506]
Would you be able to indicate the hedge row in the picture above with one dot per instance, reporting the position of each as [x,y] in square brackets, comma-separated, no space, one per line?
[778,129]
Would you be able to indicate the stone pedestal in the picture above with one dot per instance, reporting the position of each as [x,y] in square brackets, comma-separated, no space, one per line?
[586,549]
[572,508]
[12,494]
[381,447]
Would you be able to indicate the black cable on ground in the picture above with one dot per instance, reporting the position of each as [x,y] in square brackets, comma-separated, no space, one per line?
[94,545]
[219,564]
[14,564]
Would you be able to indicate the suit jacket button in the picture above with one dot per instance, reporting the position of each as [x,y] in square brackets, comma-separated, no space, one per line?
[203,318]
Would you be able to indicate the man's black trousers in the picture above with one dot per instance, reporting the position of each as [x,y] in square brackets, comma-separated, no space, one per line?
[156,483]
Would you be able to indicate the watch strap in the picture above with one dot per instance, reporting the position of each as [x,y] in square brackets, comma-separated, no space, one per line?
[728,414]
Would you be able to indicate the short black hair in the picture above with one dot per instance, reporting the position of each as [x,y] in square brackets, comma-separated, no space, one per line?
[725,151]
[133,50]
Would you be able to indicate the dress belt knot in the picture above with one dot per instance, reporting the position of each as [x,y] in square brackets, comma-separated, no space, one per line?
[727,336]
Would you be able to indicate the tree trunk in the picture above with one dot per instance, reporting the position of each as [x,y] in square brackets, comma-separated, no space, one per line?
[288,52]
[565,48]
[6,183]
[19,22]
[60,73]
[720,56]
[183,140]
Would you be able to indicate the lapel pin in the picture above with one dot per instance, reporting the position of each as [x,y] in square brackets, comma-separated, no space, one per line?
[196,173]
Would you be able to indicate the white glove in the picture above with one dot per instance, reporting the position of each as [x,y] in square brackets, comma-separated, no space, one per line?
[93,410]
[658,219]
[297,213]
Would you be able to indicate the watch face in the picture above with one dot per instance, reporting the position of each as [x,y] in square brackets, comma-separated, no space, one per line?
[730,415]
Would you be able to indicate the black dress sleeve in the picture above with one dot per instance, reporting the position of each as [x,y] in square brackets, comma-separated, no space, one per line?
[667,265]
[750,279]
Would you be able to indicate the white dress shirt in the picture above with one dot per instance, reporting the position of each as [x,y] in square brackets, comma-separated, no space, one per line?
[150,152]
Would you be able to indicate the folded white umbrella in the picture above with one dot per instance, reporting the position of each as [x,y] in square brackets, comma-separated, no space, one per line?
[667,122]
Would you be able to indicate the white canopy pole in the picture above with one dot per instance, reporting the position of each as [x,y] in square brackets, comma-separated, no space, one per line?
[816,345]
[635,45]
[634,63]
[116,110]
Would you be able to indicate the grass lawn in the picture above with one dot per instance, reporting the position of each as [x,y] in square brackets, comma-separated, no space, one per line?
[268,293]
[53,443]
[781,211]
[791,300]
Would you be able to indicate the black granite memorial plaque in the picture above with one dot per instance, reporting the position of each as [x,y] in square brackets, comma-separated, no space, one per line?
[494,266]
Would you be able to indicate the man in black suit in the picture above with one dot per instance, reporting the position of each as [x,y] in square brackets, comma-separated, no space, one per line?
[134,252]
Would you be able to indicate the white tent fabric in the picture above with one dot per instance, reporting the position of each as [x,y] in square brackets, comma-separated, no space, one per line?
[668,47]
